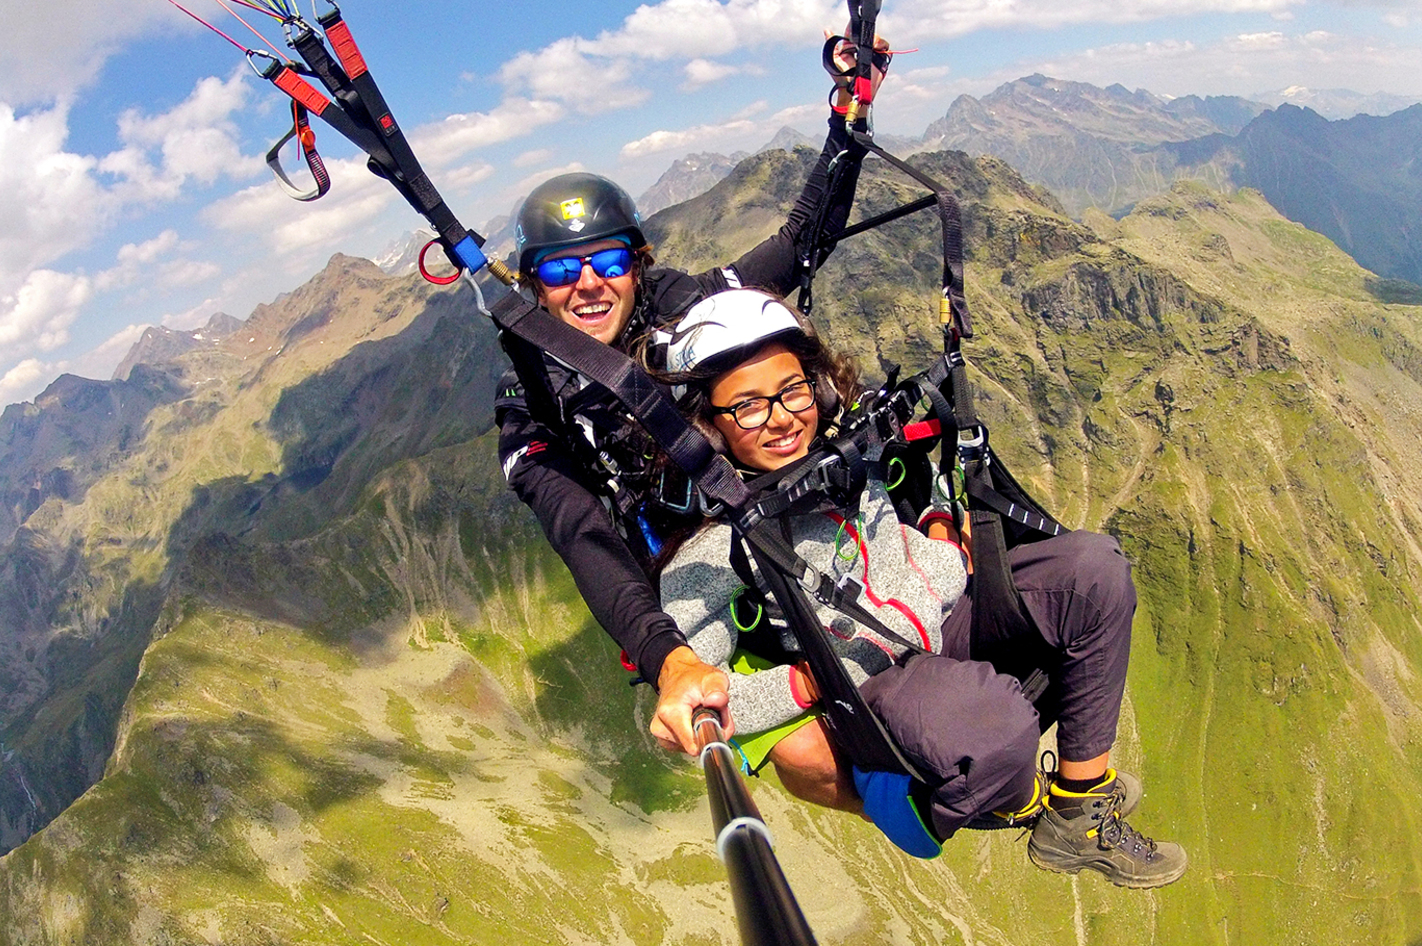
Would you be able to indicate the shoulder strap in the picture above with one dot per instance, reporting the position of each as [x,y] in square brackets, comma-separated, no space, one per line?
[643,398]
[532,374]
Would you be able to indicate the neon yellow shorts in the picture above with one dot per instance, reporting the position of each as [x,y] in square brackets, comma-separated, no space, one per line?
[755,748]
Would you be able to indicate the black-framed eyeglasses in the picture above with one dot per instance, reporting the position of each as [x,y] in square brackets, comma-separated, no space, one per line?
[755,412]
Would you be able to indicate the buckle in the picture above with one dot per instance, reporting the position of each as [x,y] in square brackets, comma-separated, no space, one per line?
[849,587]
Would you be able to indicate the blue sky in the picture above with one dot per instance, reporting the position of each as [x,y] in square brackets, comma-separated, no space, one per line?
[133,190]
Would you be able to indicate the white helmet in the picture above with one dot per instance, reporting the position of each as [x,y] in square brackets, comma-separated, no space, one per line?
[723,325]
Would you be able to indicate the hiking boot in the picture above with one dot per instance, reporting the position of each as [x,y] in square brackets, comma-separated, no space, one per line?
[1131,790]
[1087,829]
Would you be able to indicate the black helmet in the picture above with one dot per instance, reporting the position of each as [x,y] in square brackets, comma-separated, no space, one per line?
[571,209]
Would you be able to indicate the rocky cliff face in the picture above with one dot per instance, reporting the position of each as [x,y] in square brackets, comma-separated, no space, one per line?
[351,696]
[161,346]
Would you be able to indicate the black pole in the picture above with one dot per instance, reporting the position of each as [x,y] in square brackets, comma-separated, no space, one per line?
[766,910]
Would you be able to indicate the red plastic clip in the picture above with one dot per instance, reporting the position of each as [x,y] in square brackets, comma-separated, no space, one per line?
[922,430]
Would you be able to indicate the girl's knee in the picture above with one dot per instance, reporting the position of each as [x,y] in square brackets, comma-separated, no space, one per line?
[1102,571]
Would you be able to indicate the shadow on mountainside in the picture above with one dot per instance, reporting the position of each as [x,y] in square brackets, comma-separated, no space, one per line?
[212,812]
[584,687]
[75,432]
[428,387]
[1394,291]
[423,389]
[57,747]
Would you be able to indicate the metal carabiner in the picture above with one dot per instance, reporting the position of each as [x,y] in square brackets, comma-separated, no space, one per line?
[269,71]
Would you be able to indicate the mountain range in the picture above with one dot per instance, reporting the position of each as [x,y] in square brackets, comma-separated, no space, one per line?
[1355,180]
[284,662]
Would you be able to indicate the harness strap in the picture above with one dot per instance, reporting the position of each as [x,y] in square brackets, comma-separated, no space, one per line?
[856,729]
[301,131]
[363,117]
[842,597]
[417,188]
[639,394]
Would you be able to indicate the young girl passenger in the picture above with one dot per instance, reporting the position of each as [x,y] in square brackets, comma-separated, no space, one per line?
[754,377]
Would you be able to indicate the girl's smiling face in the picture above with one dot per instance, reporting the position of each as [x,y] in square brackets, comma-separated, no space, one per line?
[784,437]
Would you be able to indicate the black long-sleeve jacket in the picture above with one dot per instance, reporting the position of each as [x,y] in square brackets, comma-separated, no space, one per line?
[584,495]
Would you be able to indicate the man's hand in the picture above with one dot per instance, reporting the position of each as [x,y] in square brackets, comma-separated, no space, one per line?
[686,683]
[844,58]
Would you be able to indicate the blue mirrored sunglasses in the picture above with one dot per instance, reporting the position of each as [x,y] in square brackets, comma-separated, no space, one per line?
[567,270]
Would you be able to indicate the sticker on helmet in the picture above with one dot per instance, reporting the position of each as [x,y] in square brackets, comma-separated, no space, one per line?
[572,208]
[577,226]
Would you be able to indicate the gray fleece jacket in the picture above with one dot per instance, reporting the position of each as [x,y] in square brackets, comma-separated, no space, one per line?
[910,581]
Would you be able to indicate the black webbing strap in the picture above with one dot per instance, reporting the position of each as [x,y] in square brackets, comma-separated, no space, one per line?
[981,489]
[404,168]
[538,391]
[363,117]
[863,17]
[287,80]
[643,398]
[950,218]
[843,598]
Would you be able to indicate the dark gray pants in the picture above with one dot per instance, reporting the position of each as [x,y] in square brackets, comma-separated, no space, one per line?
[964,722]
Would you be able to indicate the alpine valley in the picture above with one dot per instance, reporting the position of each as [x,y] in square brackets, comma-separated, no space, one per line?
[282,662]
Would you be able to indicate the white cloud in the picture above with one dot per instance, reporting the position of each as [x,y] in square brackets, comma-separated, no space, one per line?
[754,108]
[701,72]
[196,317]
[1259,42]
[802,115]
[196,139]
[560,71]
[53,202]
[101,361]
[465,176]
[699,137]
[530,158]
[27,379]
[135,258]
[522,187]
[57,201]
[178,273]
[440,144]
[265,212]
[1242,65]
[157,264]
[37,317]
[24,381]
[696,30]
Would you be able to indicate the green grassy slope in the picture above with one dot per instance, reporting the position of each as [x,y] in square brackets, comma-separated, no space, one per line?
[373,709]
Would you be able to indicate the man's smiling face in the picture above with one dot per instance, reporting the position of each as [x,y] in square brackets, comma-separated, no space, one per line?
[599,306]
